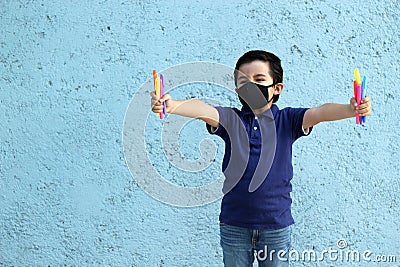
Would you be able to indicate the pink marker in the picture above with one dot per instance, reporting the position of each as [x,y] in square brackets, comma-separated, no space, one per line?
[358,99]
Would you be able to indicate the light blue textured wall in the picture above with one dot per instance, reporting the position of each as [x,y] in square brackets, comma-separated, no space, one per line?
[68,70]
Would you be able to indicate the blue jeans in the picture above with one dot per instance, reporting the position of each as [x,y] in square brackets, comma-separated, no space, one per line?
[241,246]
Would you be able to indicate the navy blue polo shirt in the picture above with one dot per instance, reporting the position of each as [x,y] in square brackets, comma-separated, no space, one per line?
[257,165]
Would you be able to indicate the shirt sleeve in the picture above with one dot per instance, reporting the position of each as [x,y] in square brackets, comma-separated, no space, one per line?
[225,120]
[297,115]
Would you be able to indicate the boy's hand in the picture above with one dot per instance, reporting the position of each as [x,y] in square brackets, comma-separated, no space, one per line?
[365,107]
[157,104]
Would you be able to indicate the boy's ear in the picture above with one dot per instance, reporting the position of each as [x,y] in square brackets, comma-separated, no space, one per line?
[278,88]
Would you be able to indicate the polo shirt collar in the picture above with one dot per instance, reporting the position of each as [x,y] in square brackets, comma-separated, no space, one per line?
[274,109]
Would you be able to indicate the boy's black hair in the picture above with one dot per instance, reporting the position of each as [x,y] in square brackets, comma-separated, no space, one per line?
[275,67]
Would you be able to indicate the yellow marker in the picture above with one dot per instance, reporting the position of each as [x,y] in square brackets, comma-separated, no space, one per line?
[158,90]
[357,75]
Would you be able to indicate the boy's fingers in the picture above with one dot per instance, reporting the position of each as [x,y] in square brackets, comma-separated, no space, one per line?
[157,103]
[367,99]
[158,110]
[364,109]
[157,107]
[365,105]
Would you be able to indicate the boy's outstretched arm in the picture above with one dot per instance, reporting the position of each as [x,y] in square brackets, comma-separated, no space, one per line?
[333,112]
[192,108]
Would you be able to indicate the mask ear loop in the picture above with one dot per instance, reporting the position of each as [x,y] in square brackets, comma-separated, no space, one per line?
[268,86]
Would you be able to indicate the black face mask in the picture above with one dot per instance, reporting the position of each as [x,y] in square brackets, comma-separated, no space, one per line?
[254,95]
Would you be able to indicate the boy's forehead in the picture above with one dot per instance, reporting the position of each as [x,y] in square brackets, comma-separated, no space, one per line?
[253,68]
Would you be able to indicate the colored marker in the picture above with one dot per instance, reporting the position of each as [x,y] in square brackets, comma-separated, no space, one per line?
[158,83]
[154,78]
[357,75]
[363,95]
[355,89]
[358,91]
[162,94]
[154,83]
[158,92]
[358,99]
[355,97]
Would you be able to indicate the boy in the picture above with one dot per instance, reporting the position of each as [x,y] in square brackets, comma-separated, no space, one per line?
[255,216]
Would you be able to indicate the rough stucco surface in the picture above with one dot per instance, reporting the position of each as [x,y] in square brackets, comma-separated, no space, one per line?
[68,70]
